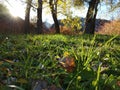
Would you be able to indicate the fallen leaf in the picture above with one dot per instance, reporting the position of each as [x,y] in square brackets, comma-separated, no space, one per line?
[68,63]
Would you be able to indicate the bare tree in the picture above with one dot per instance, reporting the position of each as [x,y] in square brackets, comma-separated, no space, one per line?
[91,17]
[27,16]
[53,8]
[39,17]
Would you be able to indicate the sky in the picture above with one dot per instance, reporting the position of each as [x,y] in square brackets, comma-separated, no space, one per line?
[17,8]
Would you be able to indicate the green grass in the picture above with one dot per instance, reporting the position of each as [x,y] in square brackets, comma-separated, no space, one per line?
[28,57]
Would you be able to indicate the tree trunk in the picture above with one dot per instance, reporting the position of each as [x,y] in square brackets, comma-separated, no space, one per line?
[53,7]
[91,17]
[39,17]
[27,17]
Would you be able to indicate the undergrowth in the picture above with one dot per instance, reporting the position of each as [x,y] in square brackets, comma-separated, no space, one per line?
[92,62]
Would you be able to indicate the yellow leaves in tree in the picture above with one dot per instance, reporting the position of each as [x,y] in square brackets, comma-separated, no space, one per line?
[73,23]
[60,2]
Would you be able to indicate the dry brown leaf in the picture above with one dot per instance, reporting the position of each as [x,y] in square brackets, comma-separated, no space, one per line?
[68,63]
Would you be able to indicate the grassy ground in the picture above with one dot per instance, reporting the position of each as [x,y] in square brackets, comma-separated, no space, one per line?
[80,62]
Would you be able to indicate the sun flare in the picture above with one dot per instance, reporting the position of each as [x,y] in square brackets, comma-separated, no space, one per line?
[16,8]
[17,13]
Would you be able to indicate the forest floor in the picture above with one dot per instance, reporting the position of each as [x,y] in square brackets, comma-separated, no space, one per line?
[59,62]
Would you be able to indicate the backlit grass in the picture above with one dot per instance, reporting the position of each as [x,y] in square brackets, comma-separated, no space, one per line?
[24,58]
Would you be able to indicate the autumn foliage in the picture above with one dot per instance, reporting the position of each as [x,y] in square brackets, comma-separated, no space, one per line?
[110,28]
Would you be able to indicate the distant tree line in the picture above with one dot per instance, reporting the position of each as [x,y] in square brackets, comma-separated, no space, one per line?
[64,5]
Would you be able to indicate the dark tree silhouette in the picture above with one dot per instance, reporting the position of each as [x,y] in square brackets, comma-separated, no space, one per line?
[53,8]
[27,16]
[91,17]
[39,17]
